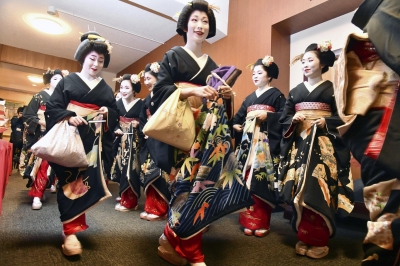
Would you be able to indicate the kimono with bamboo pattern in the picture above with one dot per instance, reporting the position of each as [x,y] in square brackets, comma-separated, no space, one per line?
[208,184]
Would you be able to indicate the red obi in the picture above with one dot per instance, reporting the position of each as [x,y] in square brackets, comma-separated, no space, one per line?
[127,120]
[42,107]
[85,105]
[262,107]
[312,106]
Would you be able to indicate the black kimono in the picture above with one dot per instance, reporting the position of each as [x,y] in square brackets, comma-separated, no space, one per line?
[81,188]
[208,184]
[266,146]
[127,165]
[33,131]
[151,174]
[315,164]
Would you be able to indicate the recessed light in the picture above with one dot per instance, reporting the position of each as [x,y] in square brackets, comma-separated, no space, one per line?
[35,79]
[46,23]
[34,85]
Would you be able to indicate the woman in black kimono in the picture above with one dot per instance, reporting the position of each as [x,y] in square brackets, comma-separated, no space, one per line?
[314,170]
[207,183]
[155,180]
[83,98]
[127,166]
[258,151]
[36,169]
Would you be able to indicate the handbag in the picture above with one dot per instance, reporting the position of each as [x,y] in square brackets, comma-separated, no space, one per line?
[173,123]
[62,145]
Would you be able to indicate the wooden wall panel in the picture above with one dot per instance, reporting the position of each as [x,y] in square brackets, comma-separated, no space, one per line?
[32,59]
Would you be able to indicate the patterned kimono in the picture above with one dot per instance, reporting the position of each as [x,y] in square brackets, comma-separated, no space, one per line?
[127,166]
[371,133]
[155,180]
[314,174]
[81,188]
[258,154]
[208,184]
[33,131]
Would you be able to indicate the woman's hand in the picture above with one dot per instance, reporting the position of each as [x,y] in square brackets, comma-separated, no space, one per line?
[298,118]
[103,110]
[118,132]
[42,123]
[261,117]
[319,122]
[238,128]
[204,92]
[77,121]
[226,92]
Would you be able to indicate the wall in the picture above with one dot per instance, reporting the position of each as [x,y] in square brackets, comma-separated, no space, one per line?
[257,28]
[335,30]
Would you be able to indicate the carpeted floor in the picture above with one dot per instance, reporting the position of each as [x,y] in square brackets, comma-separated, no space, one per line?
[29,237]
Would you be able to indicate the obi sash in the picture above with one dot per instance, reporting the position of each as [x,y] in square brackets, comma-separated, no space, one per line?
[312,111]
[82,109]
[125,122]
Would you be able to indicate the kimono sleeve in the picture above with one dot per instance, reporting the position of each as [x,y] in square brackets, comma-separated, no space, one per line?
[272,125]
[333,121]
[165,82]
[240,116]
[287,117]
[29,116]
[56,108]
[112,116]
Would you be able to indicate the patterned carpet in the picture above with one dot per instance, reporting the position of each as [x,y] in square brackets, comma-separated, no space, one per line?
[32,238]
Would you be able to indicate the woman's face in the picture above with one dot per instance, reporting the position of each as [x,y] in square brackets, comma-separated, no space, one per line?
[126,89]
[149,80]
[260,76]
[310,65]
[198,27]
[54,80]
[93,63]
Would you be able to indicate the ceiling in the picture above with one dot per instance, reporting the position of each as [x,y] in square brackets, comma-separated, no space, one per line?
[134,28]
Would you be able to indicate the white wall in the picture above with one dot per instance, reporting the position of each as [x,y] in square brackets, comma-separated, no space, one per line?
[335,30]
[108,76]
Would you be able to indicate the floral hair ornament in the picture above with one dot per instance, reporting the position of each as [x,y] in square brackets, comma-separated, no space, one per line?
[64,72]
[155,67]
[324,46]
[267,60]
[250,66]
[135,78]
[119,79]
[93,37]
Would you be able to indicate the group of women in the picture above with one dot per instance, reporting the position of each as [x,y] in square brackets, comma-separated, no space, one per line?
[287,150]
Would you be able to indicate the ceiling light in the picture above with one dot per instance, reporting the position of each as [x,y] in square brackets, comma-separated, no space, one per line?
[35,79]
[34,85]
[47,24]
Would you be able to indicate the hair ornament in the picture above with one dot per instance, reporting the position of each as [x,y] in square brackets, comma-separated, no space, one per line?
[324,46]
[250,66]
[155,67]
[267,60]
[135,78]
[119,80]
[64,72]
[94,37]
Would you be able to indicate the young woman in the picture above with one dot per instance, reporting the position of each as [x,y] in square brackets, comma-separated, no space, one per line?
[258,151]
[36,169]
[127,166]
[83,98]
[155,181]
[207,184]
[315,166]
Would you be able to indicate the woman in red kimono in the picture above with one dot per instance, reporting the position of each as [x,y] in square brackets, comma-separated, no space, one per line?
[259,147]
[155,180]
[83,98]
[314,172]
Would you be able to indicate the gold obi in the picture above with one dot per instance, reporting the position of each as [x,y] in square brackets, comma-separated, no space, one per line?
[310,115]
[369,86]
[80,110]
